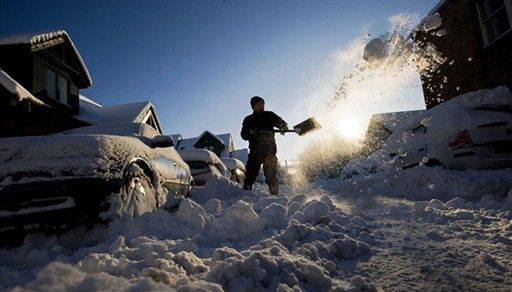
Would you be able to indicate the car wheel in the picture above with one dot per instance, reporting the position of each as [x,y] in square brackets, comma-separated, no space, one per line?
[137,195]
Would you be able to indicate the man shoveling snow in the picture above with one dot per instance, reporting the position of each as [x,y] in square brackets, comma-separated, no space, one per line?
[258,129]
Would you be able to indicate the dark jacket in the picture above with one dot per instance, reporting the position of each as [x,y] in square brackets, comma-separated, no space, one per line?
[262,139]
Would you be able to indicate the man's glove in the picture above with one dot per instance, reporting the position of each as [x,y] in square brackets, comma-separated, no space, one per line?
[284,129]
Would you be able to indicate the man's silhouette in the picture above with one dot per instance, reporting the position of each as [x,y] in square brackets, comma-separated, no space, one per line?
[258,129]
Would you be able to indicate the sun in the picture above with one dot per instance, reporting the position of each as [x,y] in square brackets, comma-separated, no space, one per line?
[351,128]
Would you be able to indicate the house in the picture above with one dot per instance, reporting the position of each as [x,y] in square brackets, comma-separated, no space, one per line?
[222,145]
[94,113]
[49,67]
[475,39]
[40,80]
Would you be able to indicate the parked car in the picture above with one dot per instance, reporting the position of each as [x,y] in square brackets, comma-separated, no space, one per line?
[88,175]
[470,131]
[473,130]
[204,164]
[236,167]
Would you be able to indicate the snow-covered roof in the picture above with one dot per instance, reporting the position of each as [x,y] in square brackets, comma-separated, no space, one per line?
[33,39]
[176,138]
[119,129]
[19,91]
[208,132]
[187,143]
[94,113]
[226,138]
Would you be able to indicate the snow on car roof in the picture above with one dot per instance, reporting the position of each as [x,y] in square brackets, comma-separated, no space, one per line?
[205,156]
[17,89]
[232,163]
[35,38]
[498,96]
[199,155]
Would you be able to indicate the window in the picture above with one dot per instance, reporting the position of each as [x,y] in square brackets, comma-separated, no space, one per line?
[57,87]
[151,121]
[495,18]
[209,147]
[63,90]
[51,82]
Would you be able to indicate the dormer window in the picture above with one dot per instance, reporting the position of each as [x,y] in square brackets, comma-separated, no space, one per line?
[495,19]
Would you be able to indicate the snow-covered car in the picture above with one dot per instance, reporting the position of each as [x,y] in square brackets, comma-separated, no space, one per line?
[473,130]
[236,167]
[204,164]
[88,175]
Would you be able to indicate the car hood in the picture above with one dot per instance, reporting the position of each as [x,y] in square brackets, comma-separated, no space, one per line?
[26,159]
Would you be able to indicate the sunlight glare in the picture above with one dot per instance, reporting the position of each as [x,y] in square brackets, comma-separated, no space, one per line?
[351,128]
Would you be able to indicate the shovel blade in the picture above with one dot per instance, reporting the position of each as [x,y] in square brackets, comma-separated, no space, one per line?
[308,126]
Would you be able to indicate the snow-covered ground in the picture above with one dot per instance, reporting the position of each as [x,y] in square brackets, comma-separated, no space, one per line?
[421,229]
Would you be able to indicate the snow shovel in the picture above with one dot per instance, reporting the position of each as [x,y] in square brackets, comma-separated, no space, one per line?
[308,126]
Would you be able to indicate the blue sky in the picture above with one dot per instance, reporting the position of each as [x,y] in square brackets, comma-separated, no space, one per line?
[199,62]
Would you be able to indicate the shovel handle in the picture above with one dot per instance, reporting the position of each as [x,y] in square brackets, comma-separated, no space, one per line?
[276,131]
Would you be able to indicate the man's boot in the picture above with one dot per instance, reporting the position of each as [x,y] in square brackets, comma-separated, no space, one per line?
[273,189]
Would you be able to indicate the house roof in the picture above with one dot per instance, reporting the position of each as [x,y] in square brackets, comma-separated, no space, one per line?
[226,138]
[35,39]
[210,133]
[176,138]
[94,113]
[189,143]
[19,91]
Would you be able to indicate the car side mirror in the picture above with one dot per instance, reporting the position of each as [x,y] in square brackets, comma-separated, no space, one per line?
[161,141]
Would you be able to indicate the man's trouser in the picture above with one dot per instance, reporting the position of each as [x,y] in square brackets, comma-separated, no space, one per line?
[269,161]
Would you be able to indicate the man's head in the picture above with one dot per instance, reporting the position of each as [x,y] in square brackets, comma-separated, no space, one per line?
[257,104]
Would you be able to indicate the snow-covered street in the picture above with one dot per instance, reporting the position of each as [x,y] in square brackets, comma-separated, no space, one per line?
[401,233]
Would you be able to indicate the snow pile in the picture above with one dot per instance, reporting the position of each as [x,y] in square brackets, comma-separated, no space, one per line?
[226,239]
[223,238]
[423,183]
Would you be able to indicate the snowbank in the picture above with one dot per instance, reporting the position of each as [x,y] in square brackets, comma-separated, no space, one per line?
[223,238]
